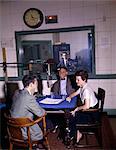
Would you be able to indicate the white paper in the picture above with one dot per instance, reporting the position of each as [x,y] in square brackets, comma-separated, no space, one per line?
[51,101]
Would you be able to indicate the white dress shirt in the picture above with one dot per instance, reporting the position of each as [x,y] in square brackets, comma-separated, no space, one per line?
[63,86]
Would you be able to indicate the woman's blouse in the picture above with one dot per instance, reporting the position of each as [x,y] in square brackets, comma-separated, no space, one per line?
[86,93]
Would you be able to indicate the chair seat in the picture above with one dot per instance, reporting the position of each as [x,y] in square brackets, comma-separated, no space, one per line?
[88,125]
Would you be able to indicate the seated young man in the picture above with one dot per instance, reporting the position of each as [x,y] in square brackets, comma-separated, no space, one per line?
[25,105]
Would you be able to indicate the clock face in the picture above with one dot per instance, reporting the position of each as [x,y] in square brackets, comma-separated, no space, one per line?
[33,18]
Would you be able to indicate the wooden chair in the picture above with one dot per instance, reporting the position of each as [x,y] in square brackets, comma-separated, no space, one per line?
[96,126]
[14,126]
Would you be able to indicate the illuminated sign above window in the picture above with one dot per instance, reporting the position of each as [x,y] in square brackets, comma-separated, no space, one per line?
[51,19]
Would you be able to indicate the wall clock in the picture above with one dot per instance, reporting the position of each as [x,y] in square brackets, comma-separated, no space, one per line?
[33,17]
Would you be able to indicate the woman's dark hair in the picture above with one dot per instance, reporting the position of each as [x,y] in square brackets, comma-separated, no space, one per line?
[27,79]
[83,74]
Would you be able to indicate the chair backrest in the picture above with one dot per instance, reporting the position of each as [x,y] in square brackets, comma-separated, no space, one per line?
[101,98]
[14,126]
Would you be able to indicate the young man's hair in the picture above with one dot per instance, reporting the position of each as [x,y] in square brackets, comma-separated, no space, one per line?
[27,79]
[83,74]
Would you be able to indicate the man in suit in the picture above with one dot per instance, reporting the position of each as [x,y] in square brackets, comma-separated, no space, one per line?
[25,105]
[64,62]
[63,85]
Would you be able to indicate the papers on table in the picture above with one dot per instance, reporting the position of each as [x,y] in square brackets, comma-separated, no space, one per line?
[51,101]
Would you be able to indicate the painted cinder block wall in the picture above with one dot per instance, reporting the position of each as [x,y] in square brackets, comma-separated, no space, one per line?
[70,13]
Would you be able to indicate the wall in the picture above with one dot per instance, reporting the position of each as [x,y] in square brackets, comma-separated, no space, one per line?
[70,13]
[0,21]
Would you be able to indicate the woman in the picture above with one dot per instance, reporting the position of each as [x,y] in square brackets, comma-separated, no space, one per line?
[88,101]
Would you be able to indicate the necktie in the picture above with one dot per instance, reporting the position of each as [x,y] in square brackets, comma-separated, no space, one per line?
[63,79]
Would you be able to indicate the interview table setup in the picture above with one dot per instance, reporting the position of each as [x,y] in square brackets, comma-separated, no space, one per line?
[56,102]
[59,104]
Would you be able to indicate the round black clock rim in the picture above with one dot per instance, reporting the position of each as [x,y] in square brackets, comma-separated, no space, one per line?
[41,18]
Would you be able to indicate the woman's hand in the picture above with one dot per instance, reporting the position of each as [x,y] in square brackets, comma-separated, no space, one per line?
[74,111]
[68,99]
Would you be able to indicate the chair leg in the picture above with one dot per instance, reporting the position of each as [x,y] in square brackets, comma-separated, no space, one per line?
[11,146]
[86,139]
[47,143]
[30,146]
[99,137]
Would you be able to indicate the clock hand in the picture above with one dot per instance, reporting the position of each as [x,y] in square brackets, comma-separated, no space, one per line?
[32,16]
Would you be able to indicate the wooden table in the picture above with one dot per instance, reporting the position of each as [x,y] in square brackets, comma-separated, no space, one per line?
[62,108]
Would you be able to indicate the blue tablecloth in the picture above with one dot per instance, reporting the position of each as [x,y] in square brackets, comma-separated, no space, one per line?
[2,105]
[63,105]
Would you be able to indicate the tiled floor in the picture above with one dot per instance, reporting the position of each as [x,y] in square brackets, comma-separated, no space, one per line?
[56,145]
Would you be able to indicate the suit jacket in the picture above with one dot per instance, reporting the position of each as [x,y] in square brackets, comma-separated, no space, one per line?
[25,105]
[56,87]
